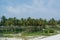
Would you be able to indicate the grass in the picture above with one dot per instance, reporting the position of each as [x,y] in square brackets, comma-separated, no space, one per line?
[38,34]
[47,32]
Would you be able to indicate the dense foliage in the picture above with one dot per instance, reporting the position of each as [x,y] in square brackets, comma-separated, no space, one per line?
[15,25]
[27,22]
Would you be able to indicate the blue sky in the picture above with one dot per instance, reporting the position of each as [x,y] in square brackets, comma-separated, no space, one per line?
[30,8]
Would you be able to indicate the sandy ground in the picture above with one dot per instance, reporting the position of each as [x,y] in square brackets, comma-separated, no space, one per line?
[10,39]
[55,37]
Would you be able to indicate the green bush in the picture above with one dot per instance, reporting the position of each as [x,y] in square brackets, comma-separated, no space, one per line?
[49,30]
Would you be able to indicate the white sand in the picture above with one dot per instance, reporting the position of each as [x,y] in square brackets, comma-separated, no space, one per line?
[10,39]
[55,37]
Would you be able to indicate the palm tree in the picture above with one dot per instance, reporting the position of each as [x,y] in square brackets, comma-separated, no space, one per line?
[58,22]
[3,20]
[52,22]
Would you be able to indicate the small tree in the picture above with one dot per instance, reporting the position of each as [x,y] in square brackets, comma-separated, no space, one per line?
[52,22]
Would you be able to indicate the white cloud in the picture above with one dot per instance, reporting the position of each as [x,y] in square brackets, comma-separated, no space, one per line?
[37,7]
[11,9]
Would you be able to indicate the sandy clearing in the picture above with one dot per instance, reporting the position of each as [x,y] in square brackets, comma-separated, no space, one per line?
[55,37]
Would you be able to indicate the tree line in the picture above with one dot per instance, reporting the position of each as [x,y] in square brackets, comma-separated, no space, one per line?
[27,22]
[14,25]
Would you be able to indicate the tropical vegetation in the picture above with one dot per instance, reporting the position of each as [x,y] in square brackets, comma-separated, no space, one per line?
[29,25]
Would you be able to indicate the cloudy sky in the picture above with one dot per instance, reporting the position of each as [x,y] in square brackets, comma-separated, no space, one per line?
[30,8]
